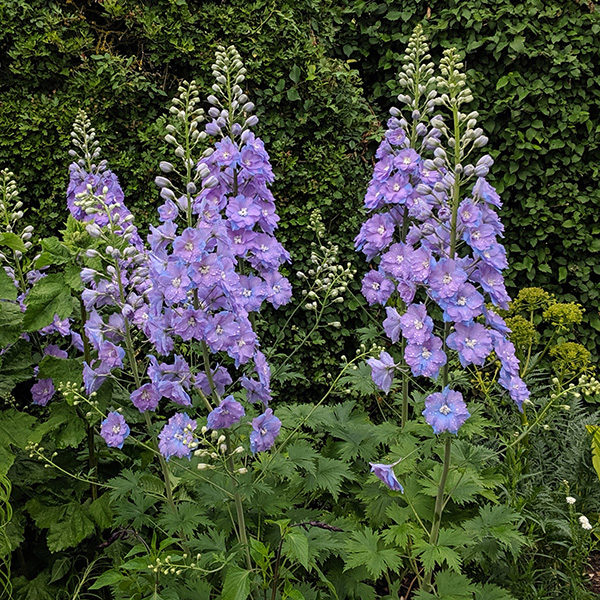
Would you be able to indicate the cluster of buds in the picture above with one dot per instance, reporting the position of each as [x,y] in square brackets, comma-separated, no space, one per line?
[11,212]
[330,279]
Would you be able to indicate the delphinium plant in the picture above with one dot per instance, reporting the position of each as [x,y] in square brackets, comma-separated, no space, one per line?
[172,374]
[437,268]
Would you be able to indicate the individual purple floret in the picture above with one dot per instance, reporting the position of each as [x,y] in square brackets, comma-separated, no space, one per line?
[114,430]
[146,397]
[265,429]
[386,474]
[226,414]
[177,437]
[445,411]
[382,371]
[42,392]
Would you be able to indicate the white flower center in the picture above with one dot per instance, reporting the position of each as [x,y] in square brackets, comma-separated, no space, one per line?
[237,239]
[418,324]
[247,293]
[399,258]
[426,354]
[470,343]
[381,230]
[375,285]
[447,279]
[277,289]
[116,429]
[461,301]
[189,246]
[243,212]
[445,409]
[219,330]
[264,248]
[176,282]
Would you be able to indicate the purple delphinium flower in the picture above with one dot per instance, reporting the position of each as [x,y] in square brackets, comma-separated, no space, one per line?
[42,392]
[146,397]
[386,474]
[382,371]
[226,414]
[445,411]
[177,437]
[416,324]
[265,429]
[392,324]
[472,341]
[376,288]
[425,359]
[114,430]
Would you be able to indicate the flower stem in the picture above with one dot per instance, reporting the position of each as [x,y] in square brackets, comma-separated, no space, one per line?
[439,507]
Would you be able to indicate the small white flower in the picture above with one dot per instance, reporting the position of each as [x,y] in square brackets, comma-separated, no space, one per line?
[570,500]
[584,522]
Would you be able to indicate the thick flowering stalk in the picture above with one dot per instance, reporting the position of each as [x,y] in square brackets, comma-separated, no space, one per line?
[434,237]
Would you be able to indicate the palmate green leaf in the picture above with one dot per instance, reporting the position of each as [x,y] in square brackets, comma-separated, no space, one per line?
[16,430]
[432,555]
[48,297]
[449,586]
[187,519]
[329,476]
[359,380]
[367,548]
[67,427]
[463,484]
[489,591]
[237,584]
[303,455]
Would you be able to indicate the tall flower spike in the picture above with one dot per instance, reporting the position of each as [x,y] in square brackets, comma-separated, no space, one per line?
[435,235]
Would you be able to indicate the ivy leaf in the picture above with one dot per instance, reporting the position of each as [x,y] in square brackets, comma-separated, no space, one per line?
[49,296]
[367,549]
[292,94]
[237,584]
[295,74]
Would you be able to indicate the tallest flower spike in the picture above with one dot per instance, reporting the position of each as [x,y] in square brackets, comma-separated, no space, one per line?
[434,234]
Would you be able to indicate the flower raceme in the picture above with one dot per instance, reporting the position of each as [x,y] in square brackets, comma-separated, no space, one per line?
[212,261]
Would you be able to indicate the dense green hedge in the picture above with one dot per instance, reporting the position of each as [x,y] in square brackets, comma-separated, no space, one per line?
[322,73]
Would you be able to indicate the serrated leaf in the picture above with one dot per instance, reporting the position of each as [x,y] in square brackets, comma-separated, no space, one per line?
[101,511]
[49,296]
[12,241]
[237,584]
[109,578]
[17,366]
[303,455]
[432,555]
[67,525]
[68,429]
[61,370]
[54,252]
[367,549]
[489,591]
[11,323]
[295,546]
[329,475]
[8,289]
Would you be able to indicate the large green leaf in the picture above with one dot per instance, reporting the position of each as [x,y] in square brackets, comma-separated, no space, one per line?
[237,584]
[49,296]
[11,323]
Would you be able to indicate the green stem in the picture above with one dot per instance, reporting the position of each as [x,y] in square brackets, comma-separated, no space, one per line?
[439,507]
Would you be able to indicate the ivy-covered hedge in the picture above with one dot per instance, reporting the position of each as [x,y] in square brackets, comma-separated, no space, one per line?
[322,73]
